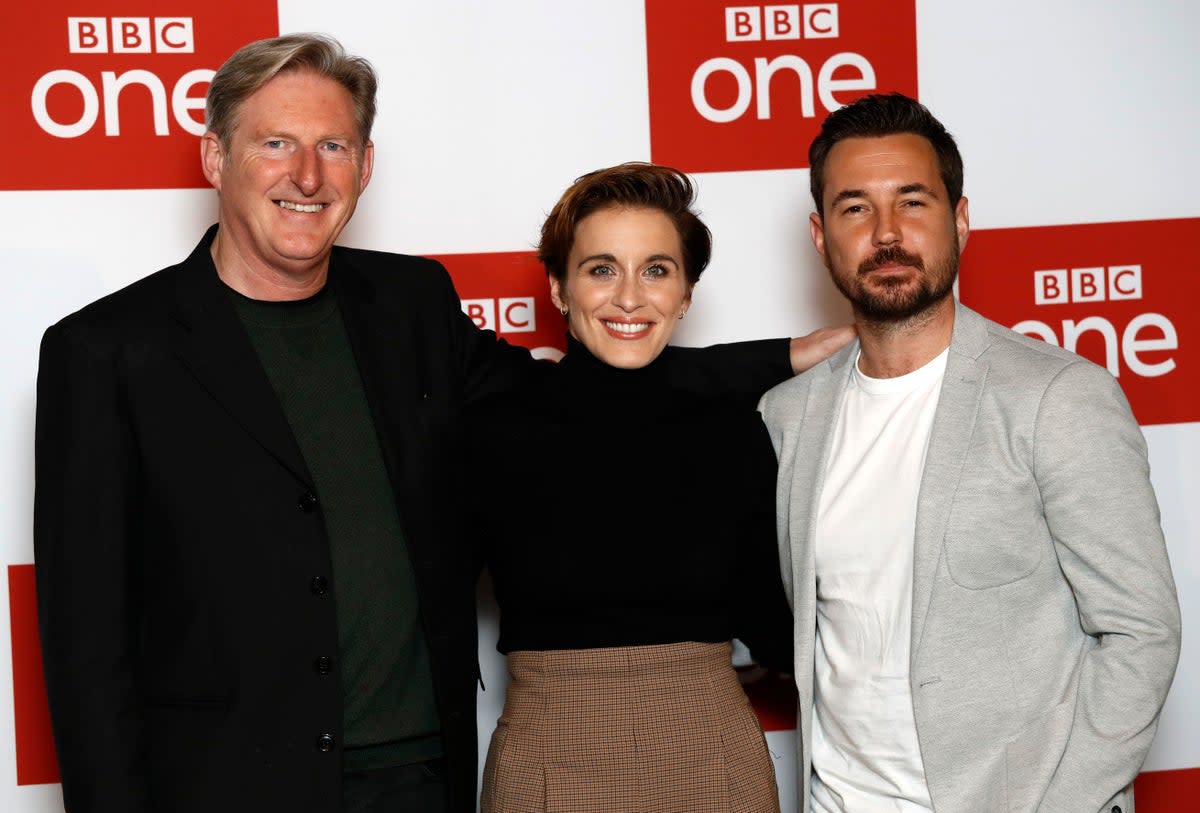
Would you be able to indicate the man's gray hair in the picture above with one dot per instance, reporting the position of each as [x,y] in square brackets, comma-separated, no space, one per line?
[253,65]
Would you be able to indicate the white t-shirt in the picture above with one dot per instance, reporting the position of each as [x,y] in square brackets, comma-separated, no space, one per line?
[865,755]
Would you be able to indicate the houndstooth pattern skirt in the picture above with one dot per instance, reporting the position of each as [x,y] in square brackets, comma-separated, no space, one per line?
[647,729]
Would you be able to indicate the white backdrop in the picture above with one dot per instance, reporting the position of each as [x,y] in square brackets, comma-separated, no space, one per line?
[1070,111]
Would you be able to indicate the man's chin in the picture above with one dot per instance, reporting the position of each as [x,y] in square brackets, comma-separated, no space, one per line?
[303,252]
[899,308]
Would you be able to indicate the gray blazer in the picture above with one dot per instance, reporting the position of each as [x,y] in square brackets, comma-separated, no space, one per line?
[1045,624]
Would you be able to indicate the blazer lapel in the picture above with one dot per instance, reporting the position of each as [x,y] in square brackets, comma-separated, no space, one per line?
[383,334]
[386,339]
[209,339]
[810,452]
[949,442]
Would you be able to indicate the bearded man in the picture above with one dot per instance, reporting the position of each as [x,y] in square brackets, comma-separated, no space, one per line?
[985,614]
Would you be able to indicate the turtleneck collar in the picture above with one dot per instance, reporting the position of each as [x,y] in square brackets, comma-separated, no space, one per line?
[582,374]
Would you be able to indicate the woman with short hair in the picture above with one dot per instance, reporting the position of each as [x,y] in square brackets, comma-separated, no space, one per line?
[630,532]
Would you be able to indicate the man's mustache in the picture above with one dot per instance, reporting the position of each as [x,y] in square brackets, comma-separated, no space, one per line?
[890,255]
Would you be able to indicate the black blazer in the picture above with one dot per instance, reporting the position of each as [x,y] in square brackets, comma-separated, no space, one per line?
[184,576]
[185,588]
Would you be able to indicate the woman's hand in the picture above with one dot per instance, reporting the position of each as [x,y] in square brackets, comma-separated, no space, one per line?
[819,345]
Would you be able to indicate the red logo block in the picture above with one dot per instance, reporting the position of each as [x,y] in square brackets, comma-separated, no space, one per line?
[741,87]
[115,102]
[1120,294]
[36,762]
[507,292]
[1167,791]
[773,696]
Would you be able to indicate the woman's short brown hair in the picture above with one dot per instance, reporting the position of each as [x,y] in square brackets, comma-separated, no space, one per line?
[635,185]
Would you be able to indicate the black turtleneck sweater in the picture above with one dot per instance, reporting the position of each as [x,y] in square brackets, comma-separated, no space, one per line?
[616,509]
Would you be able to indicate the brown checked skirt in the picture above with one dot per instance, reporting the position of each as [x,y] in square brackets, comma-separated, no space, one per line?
[645,729]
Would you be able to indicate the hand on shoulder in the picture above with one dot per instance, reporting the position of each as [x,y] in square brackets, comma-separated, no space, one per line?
[807,351]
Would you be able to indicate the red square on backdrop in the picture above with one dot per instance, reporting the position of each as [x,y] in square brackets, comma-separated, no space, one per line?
[1116,293]
[1167,791]
[110,95]
[507,292]
[36,761]
[741,87]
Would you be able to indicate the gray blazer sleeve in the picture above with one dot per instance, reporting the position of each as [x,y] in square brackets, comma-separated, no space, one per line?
[1091,468]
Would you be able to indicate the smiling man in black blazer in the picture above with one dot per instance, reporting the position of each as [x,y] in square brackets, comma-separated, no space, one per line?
[253,591]
[251,588]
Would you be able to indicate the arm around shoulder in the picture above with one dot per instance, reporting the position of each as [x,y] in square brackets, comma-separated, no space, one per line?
[751,368]
[484,363]
[736,369]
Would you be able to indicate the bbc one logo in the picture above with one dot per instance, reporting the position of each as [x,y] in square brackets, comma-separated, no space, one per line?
[1146,332]
[751,23]
[110,95]
[130,35]
[736,87]
[777,23]
[124,35]
[1128,309]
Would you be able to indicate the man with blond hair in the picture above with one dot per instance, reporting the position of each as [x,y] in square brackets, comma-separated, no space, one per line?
[246,594]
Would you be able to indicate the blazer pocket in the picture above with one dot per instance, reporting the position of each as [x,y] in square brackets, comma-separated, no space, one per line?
[995,548]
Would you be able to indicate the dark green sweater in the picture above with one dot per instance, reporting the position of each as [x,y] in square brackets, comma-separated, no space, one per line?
[389,710]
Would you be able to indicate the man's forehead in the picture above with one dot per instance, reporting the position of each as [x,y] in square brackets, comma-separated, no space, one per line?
[891,162]
[900,150]
[292,83]
[302,98]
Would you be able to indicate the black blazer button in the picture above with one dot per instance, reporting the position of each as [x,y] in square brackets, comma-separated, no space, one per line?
[323,665]
[1115,809]
[325,743]
[319,585]
[307,503]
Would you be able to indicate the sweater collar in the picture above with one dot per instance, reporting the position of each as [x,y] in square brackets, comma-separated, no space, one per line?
[582,375]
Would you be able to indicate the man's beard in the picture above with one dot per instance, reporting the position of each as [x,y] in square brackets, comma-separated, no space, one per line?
[895,299]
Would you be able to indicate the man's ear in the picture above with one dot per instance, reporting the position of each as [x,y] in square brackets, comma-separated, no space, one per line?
[368,164]
[816,228]
[962,223]
[212,158]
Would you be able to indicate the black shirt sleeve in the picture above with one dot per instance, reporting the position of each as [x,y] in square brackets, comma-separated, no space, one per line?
[762,617]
